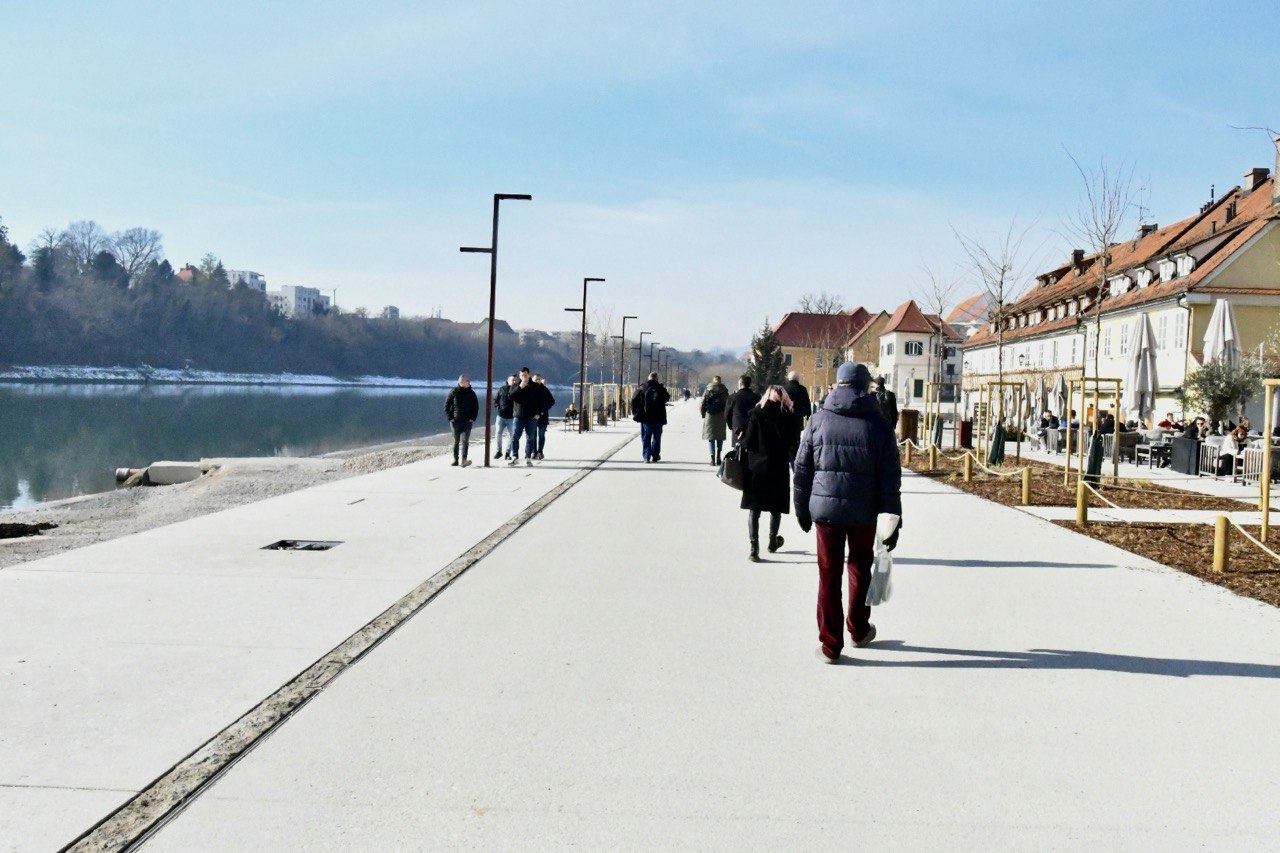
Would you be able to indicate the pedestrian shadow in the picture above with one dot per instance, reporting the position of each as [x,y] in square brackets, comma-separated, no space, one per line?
[999,564]
[1061,659]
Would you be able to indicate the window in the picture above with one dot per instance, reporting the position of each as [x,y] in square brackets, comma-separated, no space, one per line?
[1075,349]
[1119,284]
[1144,277]
[787,359]
[1124,340]
[818,361]
[888,349]
[1040,355]
[917,387]
[950,370]
[949,352]
[1162,332]
[1071,308]
[1180,331]
[1185,264]
[913,348]
[1167,269]
[1106,343]
[1053,354]
[1091,344]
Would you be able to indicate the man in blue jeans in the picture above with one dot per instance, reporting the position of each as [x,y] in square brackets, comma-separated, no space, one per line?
[506,418]
[525,401]
[654,419]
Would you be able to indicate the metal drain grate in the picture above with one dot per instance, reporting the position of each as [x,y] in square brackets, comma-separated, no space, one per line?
[300,545]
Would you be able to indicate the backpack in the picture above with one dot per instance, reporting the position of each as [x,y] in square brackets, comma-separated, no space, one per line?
[653,400]
[715,403]
[637,405]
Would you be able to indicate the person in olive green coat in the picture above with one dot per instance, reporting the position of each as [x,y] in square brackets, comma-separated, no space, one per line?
[715,400]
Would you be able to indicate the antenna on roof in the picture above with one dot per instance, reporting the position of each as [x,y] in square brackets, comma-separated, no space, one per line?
[1212,193]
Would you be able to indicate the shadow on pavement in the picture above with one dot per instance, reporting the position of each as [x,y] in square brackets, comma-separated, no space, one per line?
[1063,659]
[998,564]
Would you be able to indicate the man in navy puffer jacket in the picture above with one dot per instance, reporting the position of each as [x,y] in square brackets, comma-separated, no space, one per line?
[847,473]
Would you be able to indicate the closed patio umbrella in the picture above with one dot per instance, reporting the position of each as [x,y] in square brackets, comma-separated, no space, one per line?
[1221,340]
[1058,396]
[1139,394]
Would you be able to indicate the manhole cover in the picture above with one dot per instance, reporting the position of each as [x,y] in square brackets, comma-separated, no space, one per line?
[300,545]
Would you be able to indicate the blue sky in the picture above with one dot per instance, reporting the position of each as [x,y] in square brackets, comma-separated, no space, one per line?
[713,160]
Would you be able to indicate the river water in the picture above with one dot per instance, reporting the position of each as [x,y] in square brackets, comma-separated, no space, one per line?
[61,440]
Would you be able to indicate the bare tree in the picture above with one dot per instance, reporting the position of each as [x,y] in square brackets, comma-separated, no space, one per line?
[49,238]
[1102,212]
[83,241]
[600,349]
[999,266]
[135,248]
[936,293]
[821,303]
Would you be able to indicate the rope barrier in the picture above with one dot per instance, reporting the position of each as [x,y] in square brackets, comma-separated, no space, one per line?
[1090,487]
[1251,538]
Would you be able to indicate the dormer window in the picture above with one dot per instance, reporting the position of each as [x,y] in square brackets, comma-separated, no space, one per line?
[1168,269]
[1184,264]
[1072,307]
[1144,277]
[1119,284]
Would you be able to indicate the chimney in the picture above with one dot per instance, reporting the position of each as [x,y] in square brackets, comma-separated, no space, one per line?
[1147,229]
[1254,178]
[1077,258]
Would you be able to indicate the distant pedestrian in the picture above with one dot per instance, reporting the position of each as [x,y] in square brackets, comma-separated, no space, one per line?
[526,397]
[801,406]
[888,403]
[715,402]
[461,407]
[847,473]
[546,401]
[506,417]
[741,402]
[653,418]
[770,429]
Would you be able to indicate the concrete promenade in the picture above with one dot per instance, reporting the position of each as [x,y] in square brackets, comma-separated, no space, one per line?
[616,675]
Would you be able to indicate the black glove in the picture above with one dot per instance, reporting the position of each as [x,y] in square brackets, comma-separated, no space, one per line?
[806,524]
[892,541]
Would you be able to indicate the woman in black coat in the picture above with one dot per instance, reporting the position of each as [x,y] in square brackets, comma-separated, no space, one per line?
[770,436]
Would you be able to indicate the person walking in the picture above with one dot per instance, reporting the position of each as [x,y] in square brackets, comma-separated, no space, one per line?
[767,441]
[506,418]
[888,403]
[847,473]
[654,418]
[545,401]
[741,402]
[525,399]
[714,402]
[461,407]
[802,407]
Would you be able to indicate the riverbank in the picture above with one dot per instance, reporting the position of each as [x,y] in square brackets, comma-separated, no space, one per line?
[145,375]
[90,519]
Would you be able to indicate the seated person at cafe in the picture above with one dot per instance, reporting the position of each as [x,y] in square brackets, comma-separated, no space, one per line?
[1046,423]
[571,413]
[1072,421]
[1170,422]
[1196,430]
[1240,435]
[1106,424]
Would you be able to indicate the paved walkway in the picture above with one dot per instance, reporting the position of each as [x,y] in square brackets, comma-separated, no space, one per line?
[616,675]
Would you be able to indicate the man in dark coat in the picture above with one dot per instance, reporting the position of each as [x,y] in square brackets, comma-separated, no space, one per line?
[741,402]
[461,407]
[847,473]
[801,407]
[526,402]
[506,418]
[888,402]
[653,419]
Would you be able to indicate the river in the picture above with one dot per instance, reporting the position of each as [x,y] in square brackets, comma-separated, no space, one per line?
[59,440]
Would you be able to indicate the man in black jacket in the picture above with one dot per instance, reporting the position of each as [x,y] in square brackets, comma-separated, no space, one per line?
[506,418]
[461,408]
[526,400]
[801,407]
[738,412]
[847,473]
[654,419]
[888,402]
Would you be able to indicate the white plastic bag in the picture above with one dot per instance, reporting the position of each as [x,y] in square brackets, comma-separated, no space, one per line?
[882,566]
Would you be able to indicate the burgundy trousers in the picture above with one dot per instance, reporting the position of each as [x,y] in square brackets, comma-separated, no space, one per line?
[832,541]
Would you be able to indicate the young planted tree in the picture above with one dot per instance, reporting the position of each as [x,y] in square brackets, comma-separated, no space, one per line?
[767,366]
[936,293]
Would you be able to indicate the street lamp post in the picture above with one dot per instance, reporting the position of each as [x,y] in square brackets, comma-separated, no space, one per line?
[622,356]
[582,356]
[640,357]
[652,344]
[492,252]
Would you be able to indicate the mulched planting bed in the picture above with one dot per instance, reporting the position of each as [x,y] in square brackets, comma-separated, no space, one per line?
[1047,488]
[1189,548]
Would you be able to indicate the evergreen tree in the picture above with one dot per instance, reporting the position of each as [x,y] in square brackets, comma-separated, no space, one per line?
[768,367]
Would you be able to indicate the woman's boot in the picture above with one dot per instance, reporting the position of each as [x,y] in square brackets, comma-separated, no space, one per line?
[775,541]
[753,530]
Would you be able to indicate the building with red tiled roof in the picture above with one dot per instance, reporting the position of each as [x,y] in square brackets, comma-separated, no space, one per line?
[1168,277]
[917,348]
[966,317]
[814,345]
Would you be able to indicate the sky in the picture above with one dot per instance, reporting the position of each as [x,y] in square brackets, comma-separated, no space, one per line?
[713,161]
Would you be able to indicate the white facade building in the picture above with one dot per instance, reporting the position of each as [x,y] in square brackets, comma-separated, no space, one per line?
[250,279]
[915,349]
[295,300]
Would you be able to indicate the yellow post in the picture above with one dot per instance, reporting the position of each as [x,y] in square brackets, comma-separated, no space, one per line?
[908,446]
[1082,503]
[1265,479]
[933,456]
[1221,559]
[1026,486]
[968,467]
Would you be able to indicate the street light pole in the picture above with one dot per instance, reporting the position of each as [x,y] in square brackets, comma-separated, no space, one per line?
[582,356]
[622,354]
[640,357]
[492,251]
[652,344]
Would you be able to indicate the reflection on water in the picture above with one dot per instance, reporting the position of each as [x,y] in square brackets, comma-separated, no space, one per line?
[60,440]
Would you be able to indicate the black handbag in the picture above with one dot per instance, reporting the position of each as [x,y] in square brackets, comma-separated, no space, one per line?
[733,469]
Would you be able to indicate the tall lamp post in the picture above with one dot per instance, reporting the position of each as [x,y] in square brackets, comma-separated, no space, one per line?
[492,252]
[640,357]
[582,356]
[622,356]
[652,344]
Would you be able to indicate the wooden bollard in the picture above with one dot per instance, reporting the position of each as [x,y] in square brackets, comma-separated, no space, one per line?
[908,451]
[1026,487]
[933,457]
[1221,543]
[1082,504]
[968,467]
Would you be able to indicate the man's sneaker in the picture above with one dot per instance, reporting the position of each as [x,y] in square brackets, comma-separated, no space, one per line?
[867,638]
[513,462]
[822,656]
[466,462]
[528,462]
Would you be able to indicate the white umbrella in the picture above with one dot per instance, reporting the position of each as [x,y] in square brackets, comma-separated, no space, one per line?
[1037,398]
[1059,396]
[1139,393]
[1221,340]
[1024,410]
